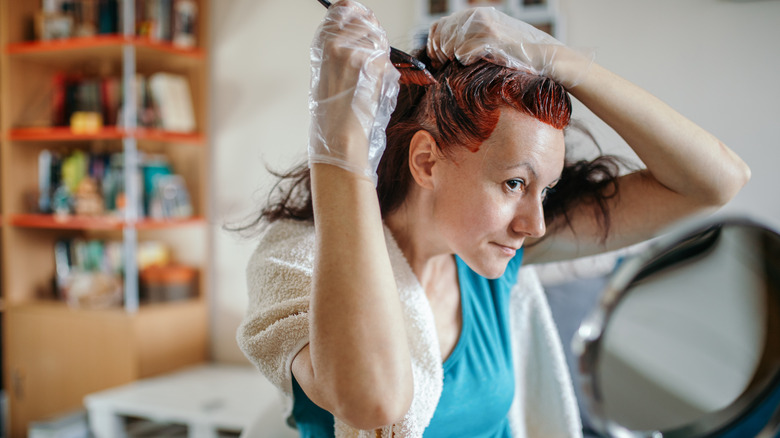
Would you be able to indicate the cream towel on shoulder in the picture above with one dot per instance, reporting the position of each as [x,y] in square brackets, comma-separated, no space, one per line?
[276,325]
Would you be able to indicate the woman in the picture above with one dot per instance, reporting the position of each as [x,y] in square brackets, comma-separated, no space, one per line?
[389,309]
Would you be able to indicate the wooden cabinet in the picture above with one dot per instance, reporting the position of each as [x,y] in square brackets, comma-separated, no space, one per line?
[55,351]
[56,355]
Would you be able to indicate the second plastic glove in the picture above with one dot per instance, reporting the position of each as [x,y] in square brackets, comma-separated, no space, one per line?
[486,33]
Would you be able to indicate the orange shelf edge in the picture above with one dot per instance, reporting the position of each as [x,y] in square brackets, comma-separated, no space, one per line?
[65,222]
[64,133]
[73,222]
[154,224]
[99,41]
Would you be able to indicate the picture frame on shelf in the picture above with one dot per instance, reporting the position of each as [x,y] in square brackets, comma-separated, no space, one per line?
[476,3]
[436,7]
[535,7]
[547,27]
[185,15]
[542,14]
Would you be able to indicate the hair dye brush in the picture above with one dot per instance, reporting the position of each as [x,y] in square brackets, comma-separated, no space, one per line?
[412,70]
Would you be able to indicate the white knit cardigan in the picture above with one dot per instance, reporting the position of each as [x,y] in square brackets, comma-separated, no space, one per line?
[276,328]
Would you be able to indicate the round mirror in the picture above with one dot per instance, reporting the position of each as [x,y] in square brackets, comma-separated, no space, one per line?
[686,340]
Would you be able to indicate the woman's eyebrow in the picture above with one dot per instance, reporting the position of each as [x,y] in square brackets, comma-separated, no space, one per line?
[525,164]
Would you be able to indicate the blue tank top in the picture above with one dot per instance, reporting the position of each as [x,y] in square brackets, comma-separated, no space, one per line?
[478,375]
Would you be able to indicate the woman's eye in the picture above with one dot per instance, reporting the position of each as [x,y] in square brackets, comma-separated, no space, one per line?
[515,184]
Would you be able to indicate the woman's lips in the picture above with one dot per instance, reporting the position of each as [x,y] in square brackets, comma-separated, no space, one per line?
[508,250]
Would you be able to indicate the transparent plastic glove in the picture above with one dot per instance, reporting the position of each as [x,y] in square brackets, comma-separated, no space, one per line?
[486,33]
[354,87]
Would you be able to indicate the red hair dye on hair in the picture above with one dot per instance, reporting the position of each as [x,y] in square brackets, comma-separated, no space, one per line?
[464,107]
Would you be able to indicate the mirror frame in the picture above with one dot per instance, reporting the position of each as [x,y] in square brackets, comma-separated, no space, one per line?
[587,342]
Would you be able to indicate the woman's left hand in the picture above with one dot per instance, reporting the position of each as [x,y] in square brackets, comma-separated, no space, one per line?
[486,33]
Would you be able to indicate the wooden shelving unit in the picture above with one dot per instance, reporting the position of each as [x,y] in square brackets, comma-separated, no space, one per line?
[53,353]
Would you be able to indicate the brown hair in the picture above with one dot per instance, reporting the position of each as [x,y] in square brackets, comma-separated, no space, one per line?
[462,110]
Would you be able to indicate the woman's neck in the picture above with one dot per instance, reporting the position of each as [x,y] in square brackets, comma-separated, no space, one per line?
[414,230]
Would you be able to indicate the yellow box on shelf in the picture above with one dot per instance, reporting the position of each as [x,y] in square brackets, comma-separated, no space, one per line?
[86,122]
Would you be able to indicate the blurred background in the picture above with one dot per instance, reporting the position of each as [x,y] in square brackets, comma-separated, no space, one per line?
[715,61]
[65,70]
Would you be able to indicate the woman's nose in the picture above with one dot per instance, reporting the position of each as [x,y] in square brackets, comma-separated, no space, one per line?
[529,219]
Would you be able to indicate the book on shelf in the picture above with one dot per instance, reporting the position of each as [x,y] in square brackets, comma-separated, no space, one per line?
[46,180]
[108,13]
[110,99]
[148,115]
[171,95]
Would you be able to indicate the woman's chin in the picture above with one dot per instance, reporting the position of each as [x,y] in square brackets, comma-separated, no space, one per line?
[492,270]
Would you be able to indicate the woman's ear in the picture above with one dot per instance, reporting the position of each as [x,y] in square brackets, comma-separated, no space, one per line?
[423,154]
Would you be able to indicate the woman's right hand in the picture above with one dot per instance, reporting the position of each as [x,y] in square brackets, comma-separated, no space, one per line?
[354,87]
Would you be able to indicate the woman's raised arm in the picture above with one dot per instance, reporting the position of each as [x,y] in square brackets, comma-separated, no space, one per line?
[357,363]
[688,171]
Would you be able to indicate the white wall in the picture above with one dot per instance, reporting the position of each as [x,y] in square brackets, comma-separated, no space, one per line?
[715,61]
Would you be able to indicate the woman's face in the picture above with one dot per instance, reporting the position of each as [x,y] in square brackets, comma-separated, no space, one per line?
[486,203]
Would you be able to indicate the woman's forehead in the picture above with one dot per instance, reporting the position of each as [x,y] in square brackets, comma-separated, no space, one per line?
[520,138]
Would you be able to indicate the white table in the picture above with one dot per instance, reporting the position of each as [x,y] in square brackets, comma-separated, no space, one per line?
[206,398]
